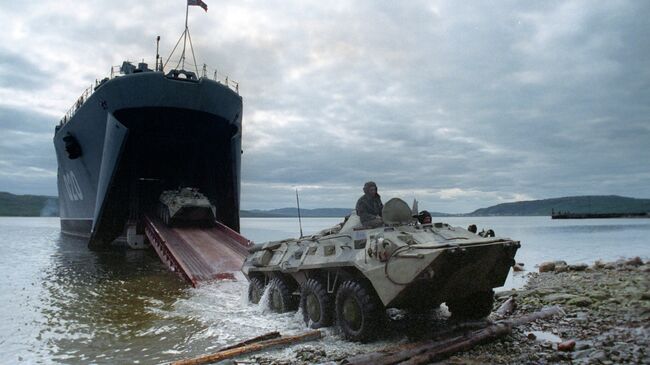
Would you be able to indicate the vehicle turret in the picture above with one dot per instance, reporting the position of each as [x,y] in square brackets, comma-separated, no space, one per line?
[185,206]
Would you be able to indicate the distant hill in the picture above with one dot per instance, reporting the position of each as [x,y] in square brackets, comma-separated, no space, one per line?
[440,214]
[573,204]
[256,213]
[293,212]
[12,205]
[48,206]
[313,213]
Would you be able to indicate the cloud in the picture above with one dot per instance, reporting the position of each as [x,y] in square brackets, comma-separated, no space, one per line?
[460,105]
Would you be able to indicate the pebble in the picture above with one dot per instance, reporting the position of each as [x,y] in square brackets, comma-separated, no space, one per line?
[566,345]
[580,302]
[583,345]
[561,268]
[634,261]
[559,297]
[578,267]
[546,267]
[598,355]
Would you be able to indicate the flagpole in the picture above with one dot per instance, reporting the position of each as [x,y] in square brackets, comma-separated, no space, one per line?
[187,9]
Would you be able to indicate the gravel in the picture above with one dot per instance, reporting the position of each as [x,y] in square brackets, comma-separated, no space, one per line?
[607,315]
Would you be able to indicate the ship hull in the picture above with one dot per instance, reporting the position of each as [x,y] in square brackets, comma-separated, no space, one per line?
[138,135]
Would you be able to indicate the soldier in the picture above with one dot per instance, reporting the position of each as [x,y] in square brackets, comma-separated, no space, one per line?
[369,206]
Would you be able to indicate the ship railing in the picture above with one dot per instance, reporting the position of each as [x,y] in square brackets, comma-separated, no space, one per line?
[77,104]
[210,74]
[220,78]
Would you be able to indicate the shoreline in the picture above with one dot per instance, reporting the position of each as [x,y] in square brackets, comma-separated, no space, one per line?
[606,321]
[607,309]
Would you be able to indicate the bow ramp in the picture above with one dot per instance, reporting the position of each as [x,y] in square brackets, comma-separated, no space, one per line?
[198,254]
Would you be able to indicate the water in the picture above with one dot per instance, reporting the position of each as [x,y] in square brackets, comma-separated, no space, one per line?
[62,303]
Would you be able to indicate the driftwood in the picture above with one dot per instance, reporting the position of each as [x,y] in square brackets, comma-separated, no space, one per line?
[377,356]
[449,331]
[264,337]
[394,354]
[500,329]
[428,351]
[253,345]
[507,307]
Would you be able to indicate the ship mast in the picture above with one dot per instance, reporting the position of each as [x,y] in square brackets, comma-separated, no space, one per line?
[186,37]
[185,33]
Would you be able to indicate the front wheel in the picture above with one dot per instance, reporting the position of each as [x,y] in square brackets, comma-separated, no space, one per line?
[255,290]
[280,297]
[316,304]
[166,217]
[475,306]
[358,311]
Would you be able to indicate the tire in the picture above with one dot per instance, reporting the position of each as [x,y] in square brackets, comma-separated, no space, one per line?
[161,213]
[164,214]
[475,306]
[255,290]
[316,304]
[168,218]
[358,311]
[280,298]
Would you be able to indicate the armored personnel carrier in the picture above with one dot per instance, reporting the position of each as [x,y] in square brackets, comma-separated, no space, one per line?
[185,206]
[349,274]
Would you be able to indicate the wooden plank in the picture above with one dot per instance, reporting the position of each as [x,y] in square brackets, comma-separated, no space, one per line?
[250,348]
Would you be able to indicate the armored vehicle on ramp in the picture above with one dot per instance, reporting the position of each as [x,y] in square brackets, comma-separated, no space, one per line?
[349,274]
[185,206]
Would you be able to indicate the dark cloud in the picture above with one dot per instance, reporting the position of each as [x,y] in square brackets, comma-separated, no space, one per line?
[27,160]
[459,105]
[19,72]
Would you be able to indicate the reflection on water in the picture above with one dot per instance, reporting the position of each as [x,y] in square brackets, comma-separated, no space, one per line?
[109,304]
[63,303]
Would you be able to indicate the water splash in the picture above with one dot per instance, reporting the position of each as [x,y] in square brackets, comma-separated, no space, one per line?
[264,305]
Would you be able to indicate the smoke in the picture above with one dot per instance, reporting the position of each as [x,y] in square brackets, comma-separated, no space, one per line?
[51,208]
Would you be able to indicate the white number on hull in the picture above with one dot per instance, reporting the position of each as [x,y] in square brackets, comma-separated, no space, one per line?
[72,186]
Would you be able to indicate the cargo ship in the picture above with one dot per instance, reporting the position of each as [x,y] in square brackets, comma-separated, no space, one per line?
[142,131]
[568,215]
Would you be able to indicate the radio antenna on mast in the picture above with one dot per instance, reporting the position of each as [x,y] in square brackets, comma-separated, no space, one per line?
[187,37]
[299,218]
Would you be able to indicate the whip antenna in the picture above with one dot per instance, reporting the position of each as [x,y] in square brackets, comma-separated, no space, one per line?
[299,219]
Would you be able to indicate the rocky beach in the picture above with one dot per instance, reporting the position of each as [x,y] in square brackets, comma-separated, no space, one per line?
[606,321]
[607,309]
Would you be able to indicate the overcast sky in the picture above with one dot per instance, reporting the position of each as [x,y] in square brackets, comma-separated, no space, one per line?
[460,105]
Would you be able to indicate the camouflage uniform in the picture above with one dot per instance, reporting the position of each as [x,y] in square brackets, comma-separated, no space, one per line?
[369,208]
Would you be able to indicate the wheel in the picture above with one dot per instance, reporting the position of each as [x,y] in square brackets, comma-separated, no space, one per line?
[316,304]
[280,298]
[255,290]
[358,311]
[168,218]
[475,306]
[163,215]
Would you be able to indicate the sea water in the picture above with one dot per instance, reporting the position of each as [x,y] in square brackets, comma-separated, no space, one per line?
[63,303]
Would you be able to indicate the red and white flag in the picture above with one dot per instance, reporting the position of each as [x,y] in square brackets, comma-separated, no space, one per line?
[198,3]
